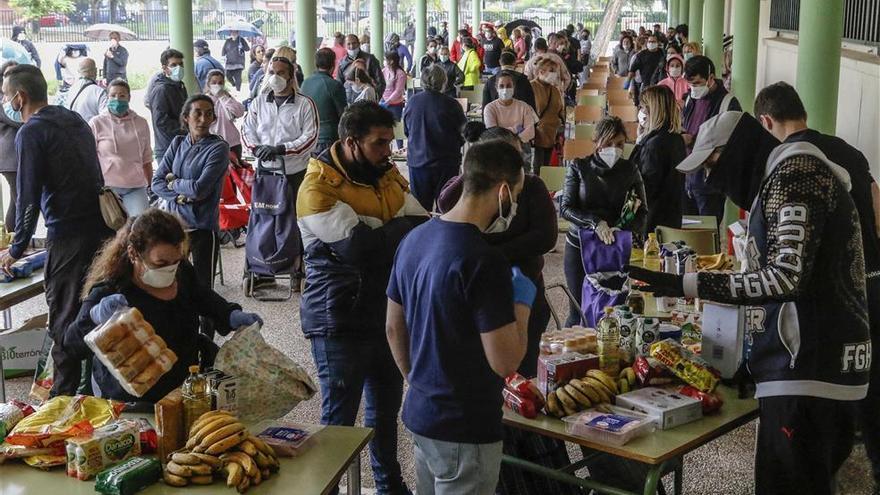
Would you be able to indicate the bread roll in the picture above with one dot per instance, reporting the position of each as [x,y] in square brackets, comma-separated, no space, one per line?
[135,364]
[106,337]
[123,350]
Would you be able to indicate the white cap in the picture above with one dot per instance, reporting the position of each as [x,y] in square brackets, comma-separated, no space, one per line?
[713,133]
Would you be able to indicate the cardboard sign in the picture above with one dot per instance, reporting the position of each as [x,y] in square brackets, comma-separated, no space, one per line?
[20,347]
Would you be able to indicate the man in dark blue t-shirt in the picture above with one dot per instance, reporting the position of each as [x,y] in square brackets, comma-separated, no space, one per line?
[456,325]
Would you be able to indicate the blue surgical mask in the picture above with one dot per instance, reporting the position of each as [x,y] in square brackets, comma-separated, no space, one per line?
[117,107]
[176,74]
[13,114]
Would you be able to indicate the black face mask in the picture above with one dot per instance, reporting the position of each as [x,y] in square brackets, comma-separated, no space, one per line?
[365,171]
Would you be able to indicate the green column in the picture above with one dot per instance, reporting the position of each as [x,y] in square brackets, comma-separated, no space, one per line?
[453,24]
[818,68]
[713,32]
[306,34]
[421,30]
[377,28]
[181,38]
[746,14]
[695,21]
[683,9]
[672,16]
[478,15]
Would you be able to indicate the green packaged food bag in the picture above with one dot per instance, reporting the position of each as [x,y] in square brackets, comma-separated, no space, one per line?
[129,477]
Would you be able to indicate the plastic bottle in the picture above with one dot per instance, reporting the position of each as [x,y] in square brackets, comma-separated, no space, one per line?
[651,260]
[196,399]
[609,344]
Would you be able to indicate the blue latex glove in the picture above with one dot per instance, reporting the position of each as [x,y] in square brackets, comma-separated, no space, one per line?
[239,318]
[102,311]
[524,289]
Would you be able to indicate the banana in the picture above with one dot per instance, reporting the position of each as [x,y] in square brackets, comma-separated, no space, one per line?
[569,406]
[553,406]
[250,467]
[221,433]
[234,474]
[185,458]
[244,485]
[179,470]
[202,480]
[201,469]
[599,388]
[629,374]
[174,480]
[623,385]
[214,425]
[266,473]
[262,446]
[227,443]
[605,379]
[585,389]
[582,400]
[207,418]
[248,448]
[257,479]
[262,460]
[210,460]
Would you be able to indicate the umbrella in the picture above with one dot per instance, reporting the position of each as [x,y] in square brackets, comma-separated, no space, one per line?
[510,26]
[244,28]
[13,51]
[102,32]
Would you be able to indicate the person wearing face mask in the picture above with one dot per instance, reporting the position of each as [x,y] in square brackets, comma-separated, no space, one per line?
[512,114]
[353,209]
[522,88]
[492,46]
[67,63]
[621,55]
[470,64]
[8,158]
[165,97]
[329,97]
[454,75]
[645,64]
[392,43]
[594,193]
[371,64]
[86,97]
[115,60]
[675,80]
[519,46]
[457,49]
[359,87]
[59,177]
[551,114]
[234,49]
[430,56]
[471,308]
[706,99]
[204,63]
[542,50]
[20,36]
[227,110]
[144,266]
[122,139]
[803,289]
[690,50]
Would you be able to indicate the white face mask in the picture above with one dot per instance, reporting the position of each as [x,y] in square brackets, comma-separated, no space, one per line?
[159,278]
[550,78]
[432,50]
[698,92]
[675,72]
[444,58]
[215,89]
[353,52]
[687,56]
[610,155]
[277,83]
[643,119]
[502,223]
[505,94]
[652,46]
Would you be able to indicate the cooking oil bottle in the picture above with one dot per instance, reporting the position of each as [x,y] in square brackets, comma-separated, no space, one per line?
[196,399]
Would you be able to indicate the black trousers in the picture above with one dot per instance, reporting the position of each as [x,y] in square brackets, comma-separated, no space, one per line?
[67,264]
[573,266]
[426,183]
[540,158]
[802,442]
[10,208]
[293,182]
[234,77]
[868,414]
[204,247]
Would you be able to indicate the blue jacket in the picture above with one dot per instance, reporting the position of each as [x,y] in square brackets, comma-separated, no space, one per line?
[433,124]
[199,169]
[204,64]
[165,99]
[58,175]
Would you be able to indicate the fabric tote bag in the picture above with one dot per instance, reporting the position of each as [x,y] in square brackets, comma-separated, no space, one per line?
[605,281]
[272,246]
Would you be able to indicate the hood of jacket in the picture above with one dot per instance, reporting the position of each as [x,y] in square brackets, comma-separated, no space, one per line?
[787,150]
[57,116]
[670,58]
[742,165]
[16,30]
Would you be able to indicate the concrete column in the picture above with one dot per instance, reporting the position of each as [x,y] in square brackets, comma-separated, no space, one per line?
[745,51]
[478,16]
[453,24]
[684,7]
[818,68]
[181,38]
[671,12]
[421,31]
[695,22]
[713,32]
[306,34]
[377,28]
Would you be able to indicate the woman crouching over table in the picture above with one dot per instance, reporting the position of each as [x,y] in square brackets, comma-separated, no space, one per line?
[145,267]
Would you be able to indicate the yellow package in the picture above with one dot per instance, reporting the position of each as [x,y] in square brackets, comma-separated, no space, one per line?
[64,417]
[685,365]
[45,461]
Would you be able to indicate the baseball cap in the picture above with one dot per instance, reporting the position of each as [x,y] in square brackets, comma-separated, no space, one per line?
[713,133]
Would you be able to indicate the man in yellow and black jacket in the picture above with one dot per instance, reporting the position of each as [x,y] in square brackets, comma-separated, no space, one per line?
[354,207]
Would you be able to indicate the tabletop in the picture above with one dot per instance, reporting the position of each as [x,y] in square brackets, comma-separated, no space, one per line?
[661,445]
[316,471]
[21,290]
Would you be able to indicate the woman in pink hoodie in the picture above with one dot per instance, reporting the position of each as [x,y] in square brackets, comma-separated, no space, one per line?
[227,109]
[123,143]
[675,80]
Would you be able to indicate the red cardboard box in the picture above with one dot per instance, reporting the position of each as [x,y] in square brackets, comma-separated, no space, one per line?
[557,369]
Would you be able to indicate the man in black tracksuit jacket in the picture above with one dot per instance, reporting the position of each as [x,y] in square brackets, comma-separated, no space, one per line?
[781,111]
[166,95]
[809,347]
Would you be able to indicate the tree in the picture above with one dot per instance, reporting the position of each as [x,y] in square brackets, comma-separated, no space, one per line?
[34,9]
[606,29]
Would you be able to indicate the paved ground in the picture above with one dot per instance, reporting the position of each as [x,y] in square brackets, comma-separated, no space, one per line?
[722,467]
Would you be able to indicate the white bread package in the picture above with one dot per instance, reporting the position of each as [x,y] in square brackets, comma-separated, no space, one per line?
[129,347]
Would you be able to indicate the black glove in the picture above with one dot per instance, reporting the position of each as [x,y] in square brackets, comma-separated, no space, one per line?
[659,283]
[265,153]
[280,150]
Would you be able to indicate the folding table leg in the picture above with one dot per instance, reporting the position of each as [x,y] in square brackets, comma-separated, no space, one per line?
[679,479]
[354,476]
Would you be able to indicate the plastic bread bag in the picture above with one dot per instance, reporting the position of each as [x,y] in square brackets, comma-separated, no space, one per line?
[270,384]
[10,414]
[64,417]
[130,349]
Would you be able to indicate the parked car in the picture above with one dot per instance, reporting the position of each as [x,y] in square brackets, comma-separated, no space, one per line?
[537,13]
[54,20]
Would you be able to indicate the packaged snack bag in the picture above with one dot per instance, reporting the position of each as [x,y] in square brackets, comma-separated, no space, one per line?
[685,365]
[64,417]
[11,413]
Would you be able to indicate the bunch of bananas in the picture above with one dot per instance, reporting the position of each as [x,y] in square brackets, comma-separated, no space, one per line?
[582,393]
[218,441]
[714,262]
[626,380]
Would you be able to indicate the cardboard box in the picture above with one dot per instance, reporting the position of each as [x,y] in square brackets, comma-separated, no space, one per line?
[667,408]
[723,328]
[557,369]
[21,346]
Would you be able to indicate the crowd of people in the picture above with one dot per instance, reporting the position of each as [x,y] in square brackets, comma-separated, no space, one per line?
[471,224]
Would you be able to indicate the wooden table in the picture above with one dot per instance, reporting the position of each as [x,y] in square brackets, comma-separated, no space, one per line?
[333,450]
[11,294]
[660,450]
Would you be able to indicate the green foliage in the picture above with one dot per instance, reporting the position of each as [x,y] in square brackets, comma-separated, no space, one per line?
[34,9]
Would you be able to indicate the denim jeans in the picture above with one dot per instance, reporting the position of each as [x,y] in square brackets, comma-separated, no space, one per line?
[449,468]
[134,199]
[349,368]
